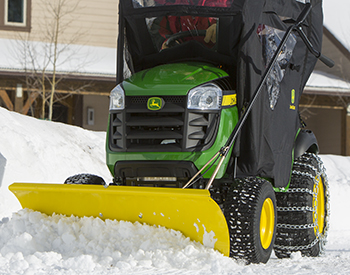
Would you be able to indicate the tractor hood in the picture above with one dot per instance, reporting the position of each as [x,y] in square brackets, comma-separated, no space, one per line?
[171,79]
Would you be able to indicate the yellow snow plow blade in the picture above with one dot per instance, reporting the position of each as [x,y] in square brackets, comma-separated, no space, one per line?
[190,211]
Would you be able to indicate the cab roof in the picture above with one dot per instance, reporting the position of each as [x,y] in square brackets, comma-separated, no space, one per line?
[233,16]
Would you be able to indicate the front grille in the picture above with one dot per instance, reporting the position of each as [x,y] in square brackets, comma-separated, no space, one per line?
[171,129]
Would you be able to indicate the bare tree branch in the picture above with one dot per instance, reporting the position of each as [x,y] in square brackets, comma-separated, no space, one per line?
[58,47]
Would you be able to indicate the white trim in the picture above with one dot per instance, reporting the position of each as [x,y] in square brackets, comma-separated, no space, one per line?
[16,24]
[326,90]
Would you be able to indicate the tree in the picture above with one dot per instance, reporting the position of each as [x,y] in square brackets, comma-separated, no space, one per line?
[43,61]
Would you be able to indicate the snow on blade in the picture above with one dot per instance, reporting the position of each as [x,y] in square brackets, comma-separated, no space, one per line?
[208,238]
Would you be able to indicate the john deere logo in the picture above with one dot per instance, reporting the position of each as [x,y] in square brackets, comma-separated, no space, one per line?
[155,103]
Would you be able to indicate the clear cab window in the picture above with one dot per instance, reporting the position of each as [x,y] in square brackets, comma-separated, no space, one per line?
[205,3]
[171,31]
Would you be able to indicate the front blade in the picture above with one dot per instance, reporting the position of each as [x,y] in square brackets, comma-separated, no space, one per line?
[190,211]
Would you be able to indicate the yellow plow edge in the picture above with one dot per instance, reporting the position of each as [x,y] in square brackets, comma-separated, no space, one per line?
[190,211]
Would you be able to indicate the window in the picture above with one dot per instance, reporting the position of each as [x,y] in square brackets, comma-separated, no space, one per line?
[15,15]
[15,12]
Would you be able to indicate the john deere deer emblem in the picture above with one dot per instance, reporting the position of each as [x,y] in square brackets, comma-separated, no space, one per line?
[155,103]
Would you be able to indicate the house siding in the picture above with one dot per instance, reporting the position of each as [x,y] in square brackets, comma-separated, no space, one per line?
[327,125]
[100,106]
[332,48]
[92,23]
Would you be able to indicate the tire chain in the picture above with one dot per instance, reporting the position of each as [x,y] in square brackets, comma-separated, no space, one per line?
[296,226]
[297,248]
[301,208]
[322,173]
[301,190]
[318,170]
[295,208]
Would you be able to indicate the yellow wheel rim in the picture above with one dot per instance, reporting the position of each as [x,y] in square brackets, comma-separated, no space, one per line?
[267,223]
[319,205]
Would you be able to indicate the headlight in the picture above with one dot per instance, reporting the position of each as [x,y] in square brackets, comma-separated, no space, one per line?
[205,97]
[117,99]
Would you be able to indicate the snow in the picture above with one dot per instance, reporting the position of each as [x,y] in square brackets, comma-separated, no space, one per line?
[33,243]
[322,80]
[2,167]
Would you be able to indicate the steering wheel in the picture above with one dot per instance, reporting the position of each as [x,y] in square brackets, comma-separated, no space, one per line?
[173,37]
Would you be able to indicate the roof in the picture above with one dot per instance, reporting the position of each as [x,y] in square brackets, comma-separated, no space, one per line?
[336,21]
[79,60]
[323,83]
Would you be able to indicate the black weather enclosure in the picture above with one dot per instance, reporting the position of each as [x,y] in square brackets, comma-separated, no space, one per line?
[248,34]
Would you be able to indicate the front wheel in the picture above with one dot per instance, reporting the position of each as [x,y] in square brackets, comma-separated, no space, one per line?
[250,212]
[303,211]
[85,179]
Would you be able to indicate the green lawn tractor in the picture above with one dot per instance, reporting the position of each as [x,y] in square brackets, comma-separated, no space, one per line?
[204,132]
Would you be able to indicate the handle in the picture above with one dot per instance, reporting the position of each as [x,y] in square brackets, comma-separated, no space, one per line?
[326,60]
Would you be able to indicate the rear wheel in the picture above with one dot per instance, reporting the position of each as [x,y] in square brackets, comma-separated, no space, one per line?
[250,212]
[303,211]
[85,179]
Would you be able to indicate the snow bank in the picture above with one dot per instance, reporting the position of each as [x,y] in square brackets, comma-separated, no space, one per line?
[33,243]
[45,152]
[338,172]
[88,244]
[2,167]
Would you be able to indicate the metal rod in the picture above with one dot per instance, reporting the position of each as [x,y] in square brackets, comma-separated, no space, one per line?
[120,46]
[200,171]
[215,172]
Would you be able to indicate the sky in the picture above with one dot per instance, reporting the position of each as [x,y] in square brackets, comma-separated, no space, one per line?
[337,20]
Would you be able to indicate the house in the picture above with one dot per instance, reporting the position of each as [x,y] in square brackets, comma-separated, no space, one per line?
[86,68]
[70,42]
[325,104]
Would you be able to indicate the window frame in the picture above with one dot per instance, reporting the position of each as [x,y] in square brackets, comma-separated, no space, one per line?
[14,26]
[24,15]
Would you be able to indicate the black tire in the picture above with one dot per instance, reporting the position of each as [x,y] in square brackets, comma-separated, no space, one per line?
[249,209]
[303,220]
[85,179]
